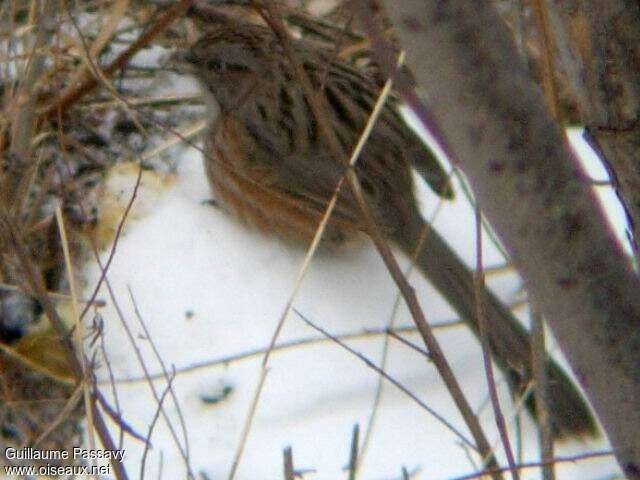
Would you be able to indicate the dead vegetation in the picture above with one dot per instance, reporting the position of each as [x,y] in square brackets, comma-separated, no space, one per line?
[77,98]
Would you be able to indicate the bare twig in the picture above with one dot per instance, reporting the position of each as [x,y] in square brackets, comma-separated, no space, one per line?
[412,346]
[87,56]
[237,357]
[152,425]
[524,466]
[116,416]
[165,371]
[145,369]
[353,455]
[23,108]
[105,268]
[114,390]
[385,346]
[72,403]
[486,354]
[76,91]
[538,355]
[36,282]
[391,380]
[289,472]
[121,317]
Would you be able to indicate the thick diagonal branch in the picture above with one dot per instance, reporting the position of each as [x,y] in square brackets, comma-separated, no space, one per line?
[532,190]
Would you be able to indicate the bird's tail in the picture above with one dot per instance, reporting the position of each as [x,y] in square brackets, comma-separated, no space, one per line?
[508,340]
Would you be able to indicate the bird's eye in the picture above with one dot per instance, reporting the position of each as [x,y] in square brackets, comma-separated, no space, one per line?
[216,64]
[237,67]
[220,66]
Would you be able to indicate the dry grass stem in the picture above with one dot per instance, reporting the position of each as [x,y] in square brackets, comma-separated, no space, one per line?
[293,344]
[79,327]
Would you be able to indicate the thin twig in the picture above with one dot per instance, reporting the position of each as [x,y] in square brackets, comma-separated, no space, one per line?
[390,379]
[165,371]
[69,96]
[407,343]
[186,133]
[478,281]
[87,56]
[101,40]
[287,346]
[152,425]
[35,366]
[437,355]
[114,389]
[35,280]
[523,466]
[385,346]
[145,369]
[103,279]
[353,455]
[104,268]
[538,362]
[116,416]
[23,111]
[71,404]
[173,99]
[289,472]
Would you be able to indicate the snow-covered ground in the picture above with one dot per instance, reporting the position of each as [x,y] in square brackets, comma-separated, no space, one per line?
[207,287]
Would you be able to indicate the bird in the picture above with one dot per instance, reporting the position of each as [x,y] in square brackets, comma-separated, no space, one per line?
[268,164]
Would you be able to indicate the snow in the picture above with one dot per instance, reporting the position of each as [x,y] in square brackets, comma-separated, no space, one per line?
[208,287]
